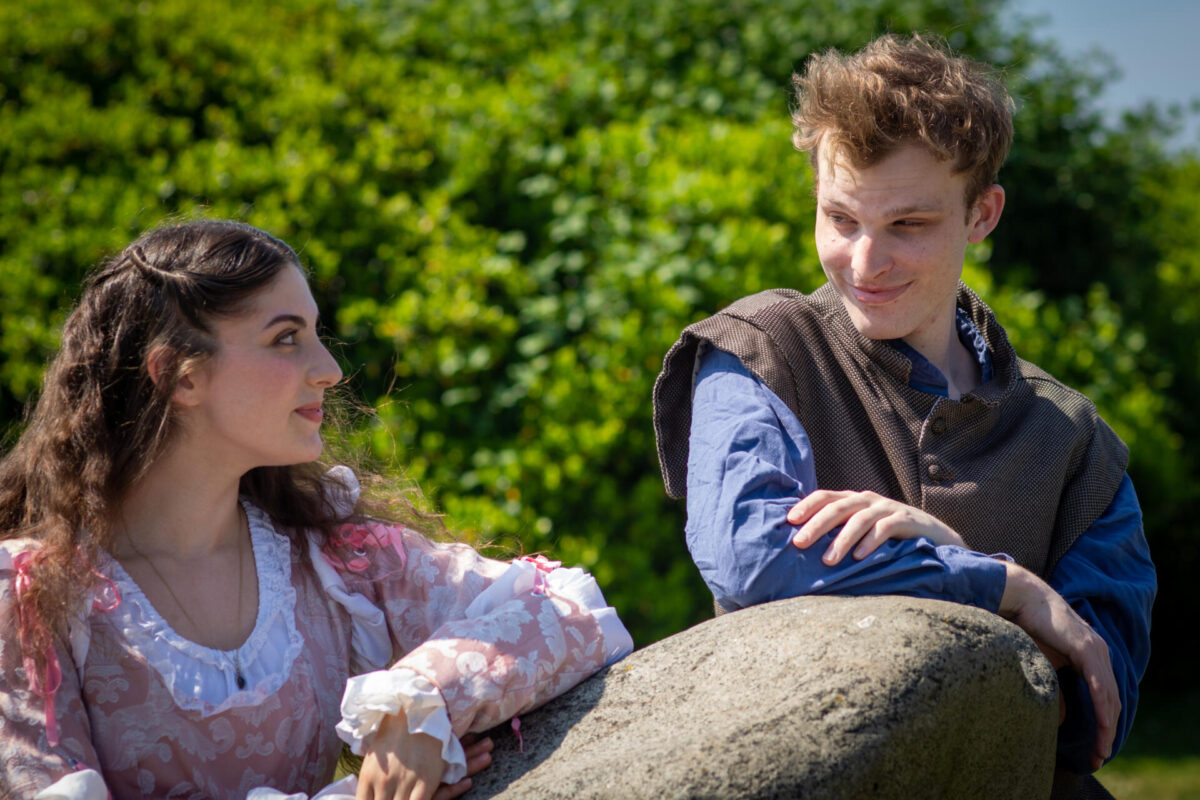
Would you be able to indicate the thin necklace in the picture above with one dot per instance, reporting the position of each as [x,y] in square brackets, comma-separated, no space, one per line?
[236,662]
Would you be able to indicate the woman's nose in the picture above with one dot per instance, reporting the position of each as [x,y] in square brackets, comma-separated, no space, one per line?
[326,371]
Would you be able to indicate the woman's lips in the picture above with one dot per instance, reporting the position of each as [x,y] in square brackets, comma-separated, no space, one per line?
[870,296]
[311,413]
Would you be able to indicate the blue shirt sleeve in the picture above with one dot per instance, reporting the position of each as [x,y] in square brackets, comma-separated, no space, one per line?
[1109,580]
[749,462]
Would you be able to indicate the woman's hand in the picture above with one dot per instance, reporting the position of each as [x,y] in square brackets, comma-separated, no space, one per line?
[867,519]
[400,765]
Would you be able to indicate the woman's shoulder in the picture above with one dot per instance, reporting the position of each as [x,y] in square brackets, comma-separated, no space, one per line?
[16,559]
[11,548]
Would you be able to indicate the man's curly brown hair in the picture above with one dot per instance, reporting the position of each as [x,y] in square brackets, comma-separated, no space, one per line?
[898,91]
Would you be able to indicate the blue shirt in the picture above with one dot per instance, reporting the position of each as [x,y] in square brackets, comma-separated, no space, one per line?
[750,461]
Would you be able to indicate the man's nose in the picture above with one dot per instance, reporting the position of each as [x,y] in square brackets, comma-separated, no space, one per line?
[869,257]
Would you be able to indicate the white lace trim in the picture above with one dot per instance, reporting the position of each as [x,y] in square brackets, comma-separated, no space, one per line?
[371,697]
[204,679]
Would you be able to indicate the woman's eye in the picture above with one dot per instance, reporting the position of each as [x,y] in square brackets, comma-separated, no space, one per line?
[288,337]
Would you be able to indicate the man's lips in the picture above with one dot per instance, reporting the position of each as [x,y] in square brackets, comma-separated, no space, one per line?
[874,296]
[312,413]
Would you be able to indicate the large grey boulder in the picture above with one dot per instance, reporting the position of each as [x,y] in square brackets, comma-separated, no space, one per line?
[814,697]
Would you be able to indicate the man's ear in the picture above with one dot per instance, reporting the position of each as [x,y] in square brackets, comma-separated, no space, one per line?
[160,362]
[985,214]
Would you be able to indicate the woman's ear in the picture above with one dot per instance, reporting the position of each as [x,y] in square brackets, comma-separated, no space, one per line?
[159,364]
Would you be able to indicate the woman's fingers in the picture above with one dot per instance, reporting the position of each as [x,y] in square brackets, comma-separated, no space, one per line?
[448,791]
[479,755]
[472,744]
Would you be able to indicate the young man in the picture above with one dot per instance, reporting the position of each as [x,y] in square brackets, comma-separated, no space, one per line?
[880,435]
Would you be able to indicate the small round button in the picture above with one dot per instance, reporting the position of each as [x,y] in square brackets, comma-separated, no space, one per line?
[935,471]
[938,425]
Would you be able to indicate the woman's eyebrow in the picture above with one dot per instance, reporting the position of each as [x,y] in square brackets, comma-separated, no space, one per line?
[294,319]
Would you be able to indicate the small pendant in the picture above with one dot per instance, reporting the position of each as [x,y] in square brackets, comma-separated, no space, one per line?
[241,681]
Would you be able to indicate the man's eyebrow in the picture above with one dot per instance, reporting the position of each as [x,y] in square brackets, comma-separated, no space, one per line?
[295,319]
[916,208]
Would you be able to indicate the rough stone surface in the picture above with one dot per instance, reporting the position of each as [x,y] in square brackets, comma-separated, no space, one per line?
[813,697]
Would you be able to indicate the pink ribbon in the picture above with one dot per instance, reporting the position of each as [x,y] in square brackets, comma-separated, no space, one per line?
[544,567]
[48,682]
[108,597]
[360,539]
[541,562]
[516,727]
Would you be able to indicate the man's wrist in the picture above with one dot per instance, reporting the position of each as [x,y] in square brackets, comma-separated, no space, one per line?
[1019,586]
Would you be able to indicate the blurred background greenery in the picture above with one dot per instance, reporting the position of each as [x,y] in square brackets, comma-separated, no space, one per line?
[511,207]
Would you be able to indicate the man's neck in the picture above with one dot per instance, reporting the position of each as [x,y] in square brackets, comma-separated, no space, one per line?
[946,351]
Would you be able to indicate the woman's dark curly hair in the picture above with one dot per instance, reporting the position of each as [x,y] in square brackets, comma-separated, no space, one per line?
[100,421]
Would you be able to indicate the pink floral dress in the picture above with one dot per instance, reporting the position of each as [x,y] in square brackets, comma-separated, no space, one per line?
[142,712]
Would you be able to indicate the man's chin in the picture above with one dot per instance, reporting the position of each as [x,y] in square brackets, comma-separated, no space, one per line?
[871,326]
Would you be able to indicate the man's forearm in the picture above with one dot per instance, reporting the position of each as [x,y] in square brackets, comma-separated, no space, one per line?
[1067,640]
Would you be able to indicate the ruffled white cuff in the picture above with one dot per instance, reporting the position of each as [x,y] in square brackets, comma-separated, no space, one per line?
[570,583]
[86,784]
[343,789]
[575,584]
[368,698]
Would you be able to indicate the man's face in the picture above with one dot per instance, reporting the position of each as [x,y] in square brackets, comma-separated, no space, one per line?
[892,238]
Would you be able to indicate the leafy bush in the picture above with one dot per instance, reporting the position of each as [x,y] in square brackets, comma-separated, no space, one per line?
[511,207]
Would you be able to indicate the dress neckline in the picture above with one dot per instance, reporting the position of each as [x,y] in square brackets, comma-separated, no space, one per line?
[205,678]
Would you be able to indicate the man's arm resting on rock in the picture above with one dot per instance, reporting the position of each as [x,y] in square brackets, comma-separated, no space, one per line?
[1107,577]
[1067,641]
[749,463]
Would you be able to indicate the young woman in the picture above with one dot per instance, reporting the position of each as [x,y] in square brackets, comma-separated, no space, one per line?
[187,595]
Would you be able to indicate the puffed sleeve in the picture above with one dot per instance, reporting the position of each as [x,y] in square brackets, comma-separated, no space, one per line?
[476,641]
[66,768]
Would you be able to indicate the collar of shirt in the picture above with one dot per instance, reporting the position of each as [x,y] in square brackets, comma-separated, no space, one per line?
[925,377]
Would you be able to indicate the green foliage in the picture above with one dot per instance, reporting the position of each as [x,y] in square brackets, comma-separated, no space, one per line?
[511,207]
[1159,760]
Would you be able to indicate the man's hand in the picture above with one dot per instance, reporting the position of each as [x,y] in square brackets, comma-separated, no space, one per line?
[867,519]
[1066,640]
[400,765]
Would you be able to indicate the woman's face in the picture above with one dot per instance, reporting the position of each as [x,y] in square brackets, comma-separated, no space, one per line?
[257,402]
